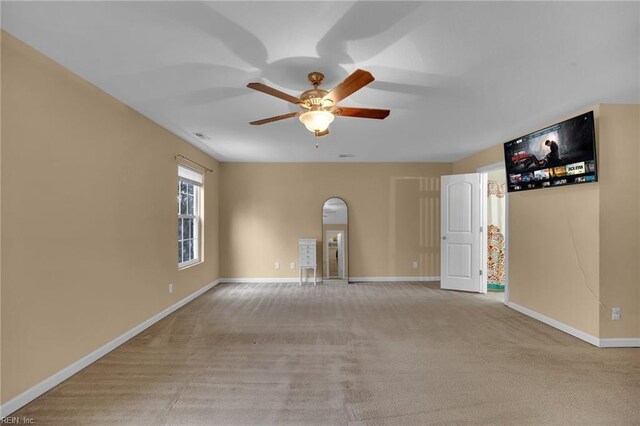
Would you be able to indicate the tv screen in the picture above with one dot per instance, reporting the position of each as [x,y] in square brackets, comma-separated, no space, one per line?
[558,155]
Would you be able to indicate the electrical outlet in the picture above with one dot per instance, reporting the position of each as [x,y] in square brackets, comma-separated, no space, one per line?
[292,265]
[277,265]
[415,264]
[615,314]
[170,287]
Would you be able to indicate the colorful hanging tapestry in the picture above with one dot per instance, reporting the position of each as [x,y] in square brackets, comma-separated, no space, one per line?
[495,259]
[495,236]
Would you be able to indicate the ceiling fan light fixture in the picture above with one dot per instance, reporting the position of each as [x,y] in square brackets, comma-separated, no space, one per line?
[316,121]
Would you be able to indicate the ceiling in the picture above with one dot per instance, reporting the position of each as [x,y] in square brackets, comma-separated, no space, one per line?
[458,77]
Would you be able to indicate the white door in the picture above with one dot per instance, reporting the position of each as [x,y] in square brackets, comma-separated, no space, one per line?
[460,243]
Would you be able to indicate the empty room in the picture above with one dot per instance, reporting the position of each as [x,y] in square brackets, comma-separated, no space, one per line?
[319,213]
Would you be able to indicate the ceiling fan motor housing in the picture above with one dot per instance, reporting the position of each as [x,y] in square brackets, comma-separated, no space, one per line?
[312,98]
[316,78]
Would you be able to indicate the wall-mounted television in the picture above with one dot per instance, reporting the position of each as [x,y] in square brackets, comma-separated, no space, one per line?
[558,155]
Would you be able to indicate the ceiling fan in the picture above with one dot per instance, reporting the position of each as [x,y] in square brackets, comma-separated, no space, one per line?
[318,107]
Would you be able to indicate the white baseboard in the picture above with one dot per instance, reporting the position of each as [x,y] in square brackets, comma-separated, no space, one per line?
[260,280]
[392,279]
[305,280]
[351,279]
[32,393]
[632,342]
[556,324]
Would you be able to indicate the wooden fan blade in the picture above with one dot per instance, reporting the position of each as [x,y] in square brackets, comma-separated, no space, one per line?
[273,92]
[356,81]
[276,118]
[361,112]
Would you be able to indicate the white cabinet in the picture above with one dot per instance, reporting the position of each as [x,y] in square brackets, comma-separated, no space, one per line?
[307,257]
[307,249]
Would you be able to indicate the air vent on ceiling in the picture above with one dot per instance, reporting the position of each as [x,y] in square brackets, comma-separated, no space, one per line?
[346,155]
[202,136]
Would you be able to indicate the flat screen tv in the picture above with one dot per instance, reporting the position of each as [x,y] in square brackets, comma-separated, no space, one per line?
[558,155]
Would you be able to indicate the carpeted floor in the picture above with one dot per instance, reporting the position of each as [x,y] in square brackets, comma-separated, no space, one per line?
[363,354]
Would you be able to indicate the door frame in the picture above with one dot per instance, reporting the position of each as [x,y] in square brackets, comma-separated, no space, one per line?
[483,209]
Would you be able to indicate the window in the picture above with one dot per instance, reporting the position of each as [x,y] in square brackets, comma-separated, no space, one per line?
[189,216]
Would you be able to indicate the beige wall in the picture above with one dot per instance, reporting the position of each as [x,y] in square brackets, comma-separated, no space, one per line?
[394,216]
[554,254]
[573,251]
[88,218]
[553,251]
[492,155]
[619,219]
[1,400]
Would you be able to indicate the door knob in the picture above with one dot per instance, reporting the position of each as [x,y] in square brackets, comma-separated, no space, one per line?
[444,238]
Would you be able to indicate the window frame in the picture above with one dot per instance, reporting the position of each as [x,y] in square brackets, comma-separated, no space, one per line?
[195,215]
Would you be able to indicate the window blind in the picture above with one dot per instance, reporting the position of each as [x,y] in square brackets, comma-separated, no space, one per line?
[190,175]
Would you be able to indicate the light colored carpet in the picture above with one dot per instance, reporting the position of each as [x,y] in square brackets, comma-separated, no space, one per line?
[363,354]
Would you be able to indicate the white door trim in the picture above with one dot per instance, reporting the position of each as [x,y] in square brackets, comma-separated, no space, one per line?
[484,253]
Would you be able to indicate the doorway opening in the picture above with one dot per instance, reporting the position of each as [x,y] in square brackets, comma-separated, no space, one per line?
[334,257]
[495,226]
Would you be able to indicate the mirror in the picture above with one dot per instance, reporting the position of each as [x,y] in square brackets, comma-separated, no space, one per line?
[335,258]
